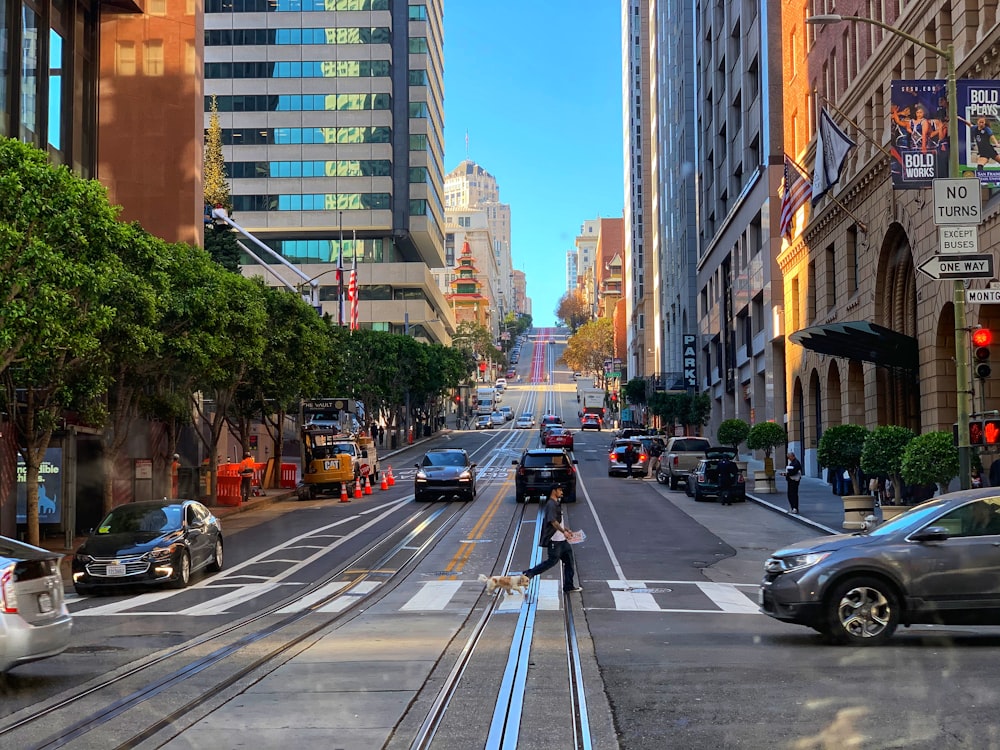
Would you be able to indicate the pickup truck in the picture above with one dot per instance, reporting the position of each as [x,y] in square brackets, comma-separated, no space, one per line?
[680,459]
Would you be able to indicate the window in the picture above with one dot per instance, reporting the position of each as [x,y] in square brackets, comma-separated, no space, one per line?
[152,57]
[418,77]
[418,45]
[125,58]
[418,142]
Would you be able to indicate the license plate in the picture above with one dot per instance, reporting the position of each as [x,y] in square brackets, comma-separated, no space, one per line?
[115,570]
[545,474]
[44,603]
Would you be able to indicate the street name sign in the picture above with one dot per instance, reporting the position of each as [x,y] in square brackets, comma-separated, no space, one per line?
[957,200]
[958,239]
[983,296]
[958,266]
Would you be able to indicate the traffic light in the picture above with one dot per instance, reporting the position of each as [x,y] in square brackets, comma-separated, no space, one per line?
[991,431]
[975,432]
[981,340]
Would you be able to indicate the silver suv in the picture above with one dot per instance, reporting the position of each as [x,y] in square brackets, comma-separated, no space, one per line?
[936,563]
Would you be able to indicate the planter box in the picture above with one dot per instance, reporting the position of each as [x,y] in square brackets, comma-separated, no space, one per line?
[763,484]
[856,509]
[891,511]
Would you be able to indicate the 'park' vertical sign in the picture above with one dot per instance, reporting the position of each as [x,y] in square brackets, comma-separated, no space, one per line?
[689,357]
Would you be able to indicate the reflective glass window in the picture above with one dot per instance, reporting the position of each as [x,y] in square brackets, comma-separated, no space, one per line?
[418,45]
[29,75]
[418,142]
[56,92]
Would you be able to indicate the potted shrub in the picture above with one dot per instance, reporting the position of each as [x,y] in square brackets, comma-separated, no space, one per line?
[732,432]
[882,456]
[841,446]
[766,436]
[931,458]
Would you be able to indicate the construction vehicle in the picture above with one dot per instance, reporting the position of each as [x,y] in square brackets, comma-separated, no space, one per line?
[336,454]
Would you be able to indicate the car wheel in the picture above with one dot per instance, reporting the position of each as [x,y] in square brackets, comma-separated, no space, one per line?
[610,473]
[861,611]
[688,489]
[660,478]
[182,576]
[697,495]
[673,482]
[216,565]
[417,497]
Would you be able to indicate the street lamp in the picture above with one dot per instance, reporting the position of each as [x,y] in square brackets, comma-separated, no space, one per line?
[961,349]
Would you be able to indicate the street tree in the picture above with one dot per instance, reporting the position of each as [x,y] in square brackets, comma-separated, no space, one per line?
[573,310]
[588,348]
[220,241]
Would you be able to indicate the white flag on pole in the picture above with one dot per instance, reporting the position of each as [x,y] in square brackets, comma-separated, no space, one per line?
[832,145]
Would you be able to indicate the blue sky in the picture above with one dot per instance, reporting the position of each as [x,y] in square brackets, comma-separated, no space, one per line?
[537,85]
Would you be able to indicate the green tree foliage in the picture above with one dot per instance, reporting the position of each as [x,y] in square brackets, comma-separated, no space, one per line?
[766,436]
[220,240]
[931,458]
[634,391]
[840,447]
[573,310]
[691,410]
[882,454]
[732,432]
[592,343]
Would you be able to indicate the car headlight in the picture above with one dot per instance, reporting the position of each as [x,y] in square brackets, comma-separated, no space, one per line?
[421,476]
[465,476]
[161,553]
[793,562]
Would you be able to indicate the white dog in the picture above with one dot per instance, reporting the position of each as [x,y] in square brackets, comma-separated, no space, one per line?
[510,584]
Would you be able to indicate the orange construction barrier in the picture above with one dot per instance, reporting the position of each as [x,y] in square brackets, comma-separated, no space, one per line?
[343,493]
[288,476]
[357,489]
[389,477]
[384,485]
[368,485]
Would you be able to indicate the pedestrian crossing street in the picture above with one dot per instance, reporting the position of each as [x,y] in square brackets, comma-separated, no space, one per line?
[680,597]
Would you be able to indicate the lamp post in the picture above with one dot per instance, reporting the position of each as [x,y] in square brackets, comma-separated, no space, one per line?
[961,348]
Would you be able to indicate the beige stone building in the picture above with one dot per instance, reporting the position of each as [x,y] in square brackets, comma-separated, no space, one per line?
[869,338]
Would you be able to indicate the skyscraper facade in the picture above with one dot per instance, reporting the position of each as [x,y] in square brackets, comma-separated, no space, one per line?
[332,117]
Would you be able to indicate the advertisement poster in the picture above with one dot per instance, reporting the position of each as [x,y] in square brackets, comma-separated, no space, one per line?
[49,488]
[978,129]
[918,122]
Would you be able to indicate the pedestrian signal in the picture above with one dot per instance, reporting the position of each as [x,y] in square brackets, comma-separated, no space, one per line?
[981,340]
[991,431]
[975,432]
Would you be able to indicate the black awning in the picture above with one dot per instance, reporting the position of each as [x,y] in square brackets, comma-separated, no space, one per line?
[862,341]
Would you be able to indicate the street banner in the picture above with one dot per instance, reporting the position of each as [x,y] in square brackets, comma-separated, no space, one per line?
[979,130]
[918,121]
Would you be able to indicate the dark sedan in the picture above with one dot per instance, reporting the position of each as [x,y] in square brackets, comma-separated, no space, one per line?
[445,472]
[147,544]
[937,563]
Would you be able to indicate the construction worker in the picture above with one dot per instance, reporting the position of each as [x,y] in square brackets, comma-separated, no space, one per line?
[246,475]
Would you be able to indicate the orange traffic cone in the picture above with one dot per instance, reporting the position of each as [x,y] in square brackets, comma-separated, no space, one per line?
[390,478]
[368,485]
[384,485]
[343,493]
[357,488]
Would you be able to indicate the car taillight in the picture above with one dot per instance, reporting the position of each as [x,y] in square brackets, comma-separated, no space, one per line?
[611,456]
[676,461]
[642,456]
[8,596]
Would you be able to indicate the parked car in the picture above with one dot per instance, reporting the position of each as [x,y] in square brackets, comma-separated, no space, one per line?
[549,420]
[704,482]
[445,472]
[557,437]
[34,621]
[591,422]
[508,413]
[149,543]
[616,458]
[937,563]
[484,422]
[501,384]
[680,458]
[497,419]
[539,469]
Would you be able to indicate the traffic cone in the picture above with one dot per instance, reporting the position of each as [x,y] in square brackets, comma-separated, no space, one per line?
[389,477]
[384,485]
[357,489]
[368,485]
[343,493]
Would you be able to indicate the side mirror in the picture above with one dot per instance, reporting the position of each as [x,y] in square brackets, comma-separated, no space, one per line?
[930,534]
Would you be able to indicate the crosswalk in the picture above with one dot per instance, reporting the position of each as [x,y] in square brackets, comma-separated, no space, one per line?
[680,597]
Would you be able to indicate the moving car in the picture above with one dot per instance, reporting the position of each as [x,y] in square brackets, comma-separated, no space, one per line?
[508,413]
[484,422]
[549,420]
[557,437]
[590,422]
[34,621]
[539,469]
[528,415]
[445,472]
[937,563]
[149,543]
[497,419]
[524,423]
[704,482]
[616,459]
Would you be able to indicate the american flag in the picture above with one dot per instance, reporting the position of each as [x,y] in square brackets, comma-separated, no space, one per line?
[795,193]
[352,295]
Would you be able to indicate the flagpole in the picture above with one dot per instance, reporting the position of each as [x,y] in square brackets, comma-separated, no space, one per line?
[354,278]
[340,274]
[861,225]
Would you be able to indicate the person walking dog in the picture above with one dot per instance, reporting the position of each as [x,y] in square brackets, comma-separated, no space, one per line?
[555,537]
[793,473]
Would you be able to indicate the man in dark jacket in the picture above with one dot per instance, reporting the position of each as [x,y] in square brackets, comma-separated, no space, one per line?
[727,479]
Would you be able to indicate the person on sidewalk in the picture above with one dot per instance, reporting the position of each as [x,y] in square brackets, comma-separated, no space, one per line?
[555,537]
[793,473]
[246,476]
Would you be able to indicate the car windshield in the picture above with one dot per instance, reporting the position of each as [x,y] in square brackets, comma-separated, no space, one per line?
[543,460]
[127,519]
[915,518]
[690,445]
[444,459]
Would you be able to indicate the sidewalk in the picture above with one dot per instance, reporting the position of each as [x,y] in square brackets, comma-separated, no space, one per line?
[819,508]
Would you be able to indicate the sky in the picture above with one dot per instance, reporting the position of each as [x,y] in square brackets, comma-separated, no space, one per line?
[537,86]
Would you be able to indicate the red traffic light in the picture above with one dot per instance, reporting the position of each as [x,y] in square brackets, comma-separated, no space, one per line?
[982,337]
[458,399]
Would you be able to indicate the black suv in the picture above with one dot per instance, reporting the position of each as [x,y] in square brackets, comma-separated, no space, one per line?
[539,469]
[704,482]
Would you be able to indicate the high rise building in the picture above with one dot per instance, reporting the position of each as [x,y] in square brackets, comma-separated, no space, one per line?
[572,270]
[586,258]
[332,117]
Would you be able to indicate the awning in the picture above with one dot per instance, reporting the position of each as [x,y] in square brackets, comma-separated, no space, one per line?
[862,341]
